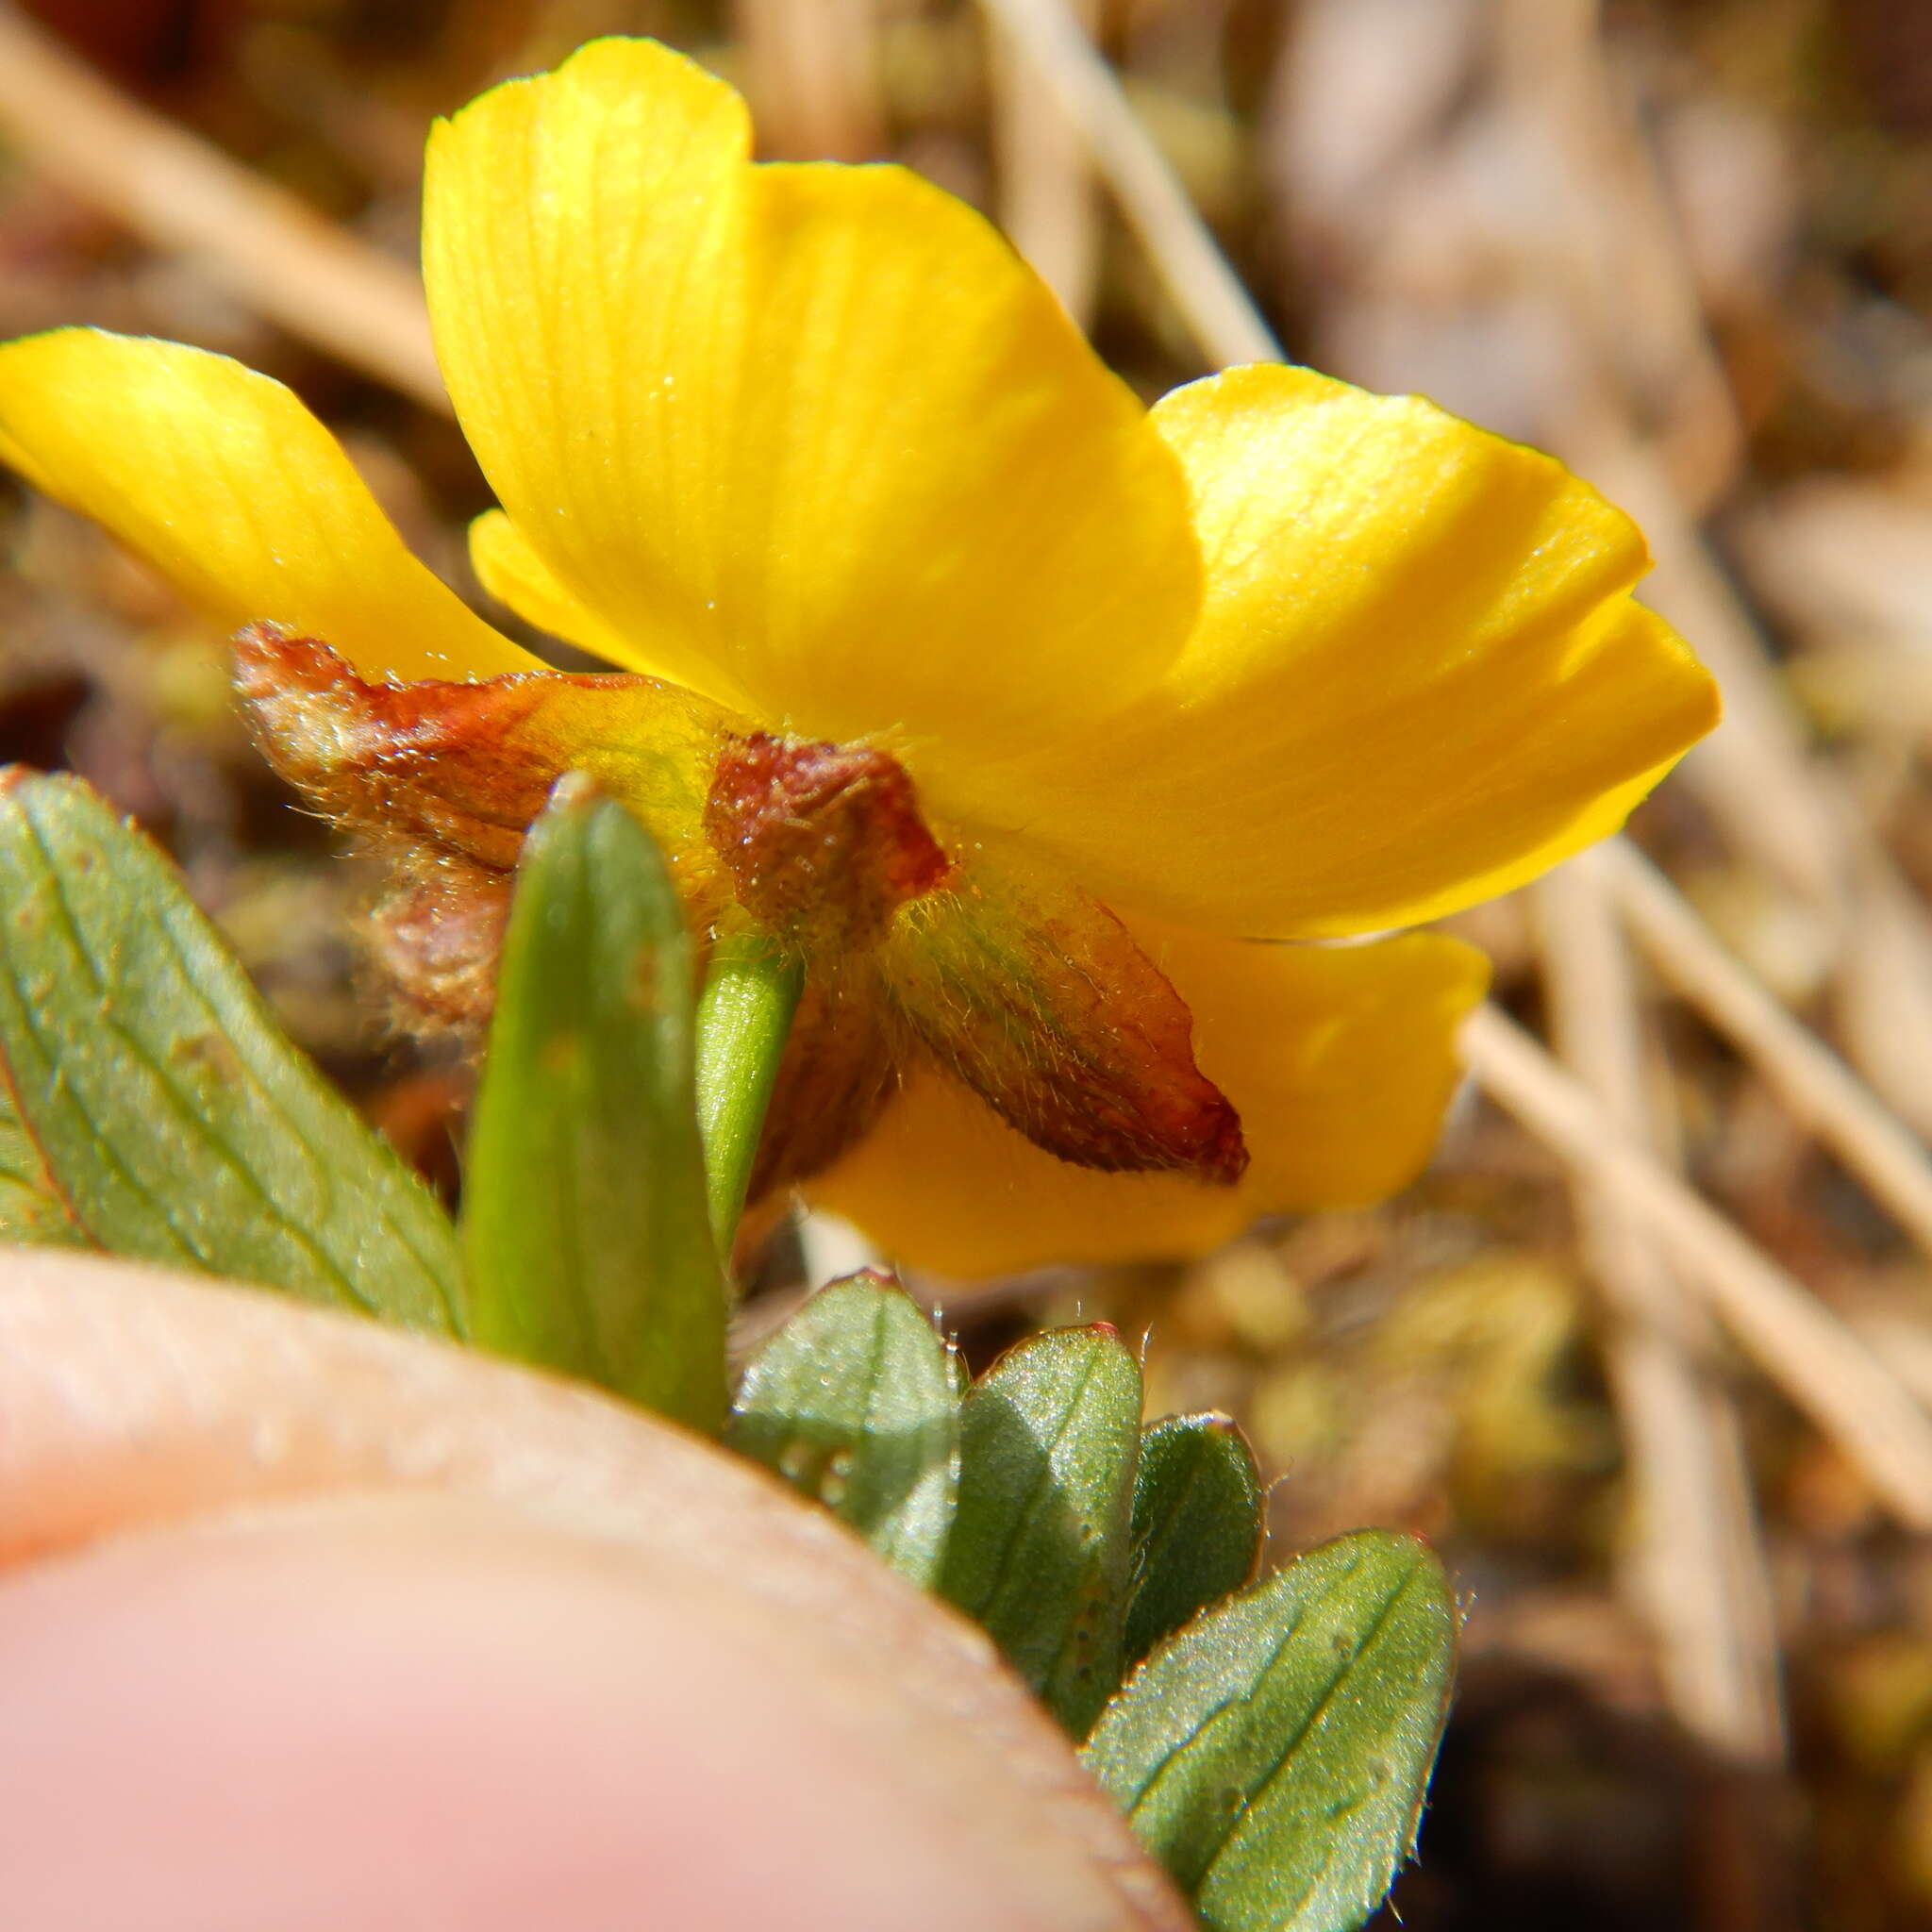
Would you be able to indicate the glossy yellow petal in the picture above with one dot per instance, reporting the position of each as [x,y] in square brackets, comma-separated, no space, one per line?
[222,481]
[1340,1058]
[814,438]
[1418,677]
[515,575]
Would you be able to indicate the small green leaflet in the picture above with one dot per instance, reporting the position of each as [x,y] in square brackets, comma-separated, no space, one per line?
[1197,1524]
[164,1107]
[853,1403]
[585,1227]
[1039,1550]
[1274,1754]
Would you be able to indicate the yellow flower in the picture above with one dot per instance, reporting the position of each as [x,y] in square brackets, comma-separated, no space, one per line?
[1275,661]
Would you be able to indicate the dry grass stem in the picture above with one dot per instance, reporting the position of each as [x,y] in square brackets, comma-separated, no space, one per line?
[183,197]
[1197,274]
[1608,240]
[1847,1390]
[1697,1563]
[1770,1310]
[1047,201]
[1817,1086]
[1883,1004]
[1754,773]
[1599,216]
[811,74]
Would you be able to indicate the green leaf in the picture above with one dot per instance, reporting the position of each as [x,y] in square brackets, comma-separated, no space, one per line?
[1039,1546]
[32,1214]
[853,1402]
[161,1102]
[1274,1754]
[1197,1524]
[585,1226]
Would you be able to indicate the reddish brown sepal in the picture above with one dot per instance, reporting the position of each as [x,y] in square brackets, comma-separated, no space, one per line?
[467,767]
[1015,982]
[430,761]
[442,780]
[824,842]
[437,934]
[837,1071]
[1039,999]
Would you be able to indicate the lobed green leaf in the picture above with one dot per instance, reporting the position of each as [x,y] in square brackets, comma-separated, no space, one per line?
[1197,1524]
[1274,1752]
[1039,1550]
[152,1095]
[585,1227]
[853,1403]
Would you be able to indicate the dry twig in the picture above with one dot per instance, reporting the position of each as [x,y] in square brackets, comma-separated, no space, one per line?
[1198,278]
[1697,1566]
[811,73]
[1853,1396]
[1817,1086]
[183,197]
[1047,205]
[1803,1347]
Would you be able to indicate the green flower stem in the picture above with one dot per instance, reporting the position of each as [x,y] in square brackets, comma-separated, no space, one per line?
[745,1014]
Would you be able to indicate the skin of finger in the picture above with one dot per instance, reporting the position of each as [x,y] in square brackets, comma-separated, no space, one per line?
[413,1709]
[134,1401]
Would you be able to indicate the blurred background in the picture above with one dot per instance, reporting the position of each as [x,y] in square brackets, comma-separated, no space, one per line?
[1679,1461]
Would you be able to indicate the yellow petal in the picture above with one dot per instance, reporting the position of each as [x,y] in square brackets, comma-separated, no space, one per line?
[1340,1058]
[222,481]
[1418,677]
[813,438]
[515,575]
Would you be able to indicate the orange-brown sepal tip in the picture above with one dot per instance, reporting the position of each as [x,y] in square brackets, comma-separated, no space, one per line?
[824,842]
[467,766]
[444,779]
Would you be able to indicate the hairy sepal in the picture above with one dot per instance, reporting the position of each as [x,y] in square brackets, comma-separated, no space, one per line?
[824,842]
[1004,973]
[444,779]
[1039,999]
